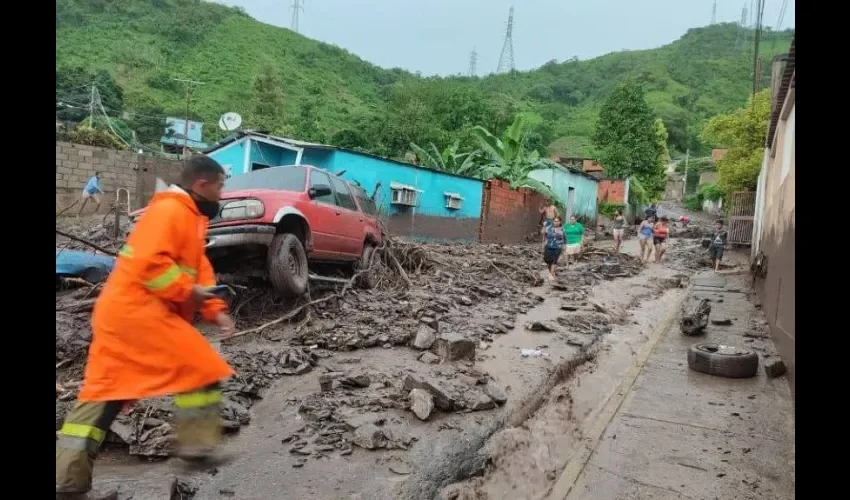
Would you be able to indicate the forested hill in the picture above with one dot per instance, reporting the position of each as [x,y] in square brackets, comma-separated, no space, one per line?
[283,82]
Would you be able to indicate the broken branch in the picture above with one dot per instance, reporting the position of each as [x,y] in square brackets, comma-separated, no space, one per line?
[86,242]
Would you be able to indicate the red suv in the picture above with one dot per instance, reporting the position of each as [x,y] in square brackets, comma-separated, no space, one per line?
[273,220]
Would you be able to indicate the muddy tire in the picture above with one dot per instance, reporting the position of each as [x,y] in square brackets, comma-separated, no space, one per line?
[723,360]
[287,265]
[367,279]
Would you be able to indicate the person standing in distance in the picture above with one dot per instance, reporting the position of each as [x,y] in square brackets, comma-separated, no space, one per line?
[92,191]
[142,332]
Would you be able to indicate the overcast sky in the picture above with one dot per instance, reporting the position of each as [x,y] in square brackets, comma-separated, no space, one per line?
[437,36]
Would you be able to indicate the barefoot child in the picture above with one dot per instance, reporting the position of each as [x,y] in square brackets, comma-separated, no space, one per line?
[554,234]
[718,244]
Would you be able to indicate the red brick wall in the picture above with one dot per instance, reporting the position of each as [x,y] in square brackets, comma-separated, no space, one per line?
[507,215]
[611,191]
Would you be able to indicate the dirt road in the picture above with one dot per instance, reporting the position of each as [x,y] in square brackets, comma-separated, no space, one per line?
[458,335]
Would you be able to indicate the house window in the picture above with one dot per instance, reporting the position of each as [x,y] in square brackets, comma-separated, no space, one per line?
[453,201]
[404,195]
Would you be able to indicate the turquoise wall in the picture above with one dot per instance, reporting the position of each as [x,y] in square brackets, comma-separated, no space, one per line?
[561,179]
[232,158]
[317,157]
[368,171]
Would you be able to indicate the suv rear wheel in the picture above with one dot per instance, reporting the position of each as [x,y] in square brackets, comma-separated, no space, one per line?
[287,265]
[367,277]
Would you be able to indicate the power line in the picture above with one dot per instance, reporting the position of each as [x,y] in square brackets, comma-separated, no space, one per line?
[297,6]
[473,61]
[189,84]
[506,59]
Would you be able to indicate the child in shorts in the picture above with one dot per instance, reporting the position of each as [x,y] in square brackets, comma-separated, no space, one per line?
[718,244]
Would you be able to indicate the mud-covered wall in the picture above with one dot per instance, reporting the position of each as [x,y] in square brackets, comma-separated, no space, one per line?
[508,215]
[76,163]
[777,242]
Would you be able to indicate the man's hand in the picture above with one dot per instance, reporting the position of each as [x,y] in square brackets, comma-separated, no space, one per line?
[226,324]
[200,294]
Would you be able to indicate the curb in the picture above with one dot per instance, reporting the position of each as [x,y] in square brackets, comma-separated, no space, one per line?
[574,469]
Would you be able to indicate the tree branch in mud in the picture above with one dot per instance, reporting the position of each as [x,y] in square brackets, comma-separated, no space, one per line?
[86,242]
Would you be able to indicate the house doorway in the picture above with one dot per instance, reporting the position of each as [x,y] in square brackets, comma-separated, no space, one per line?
[571,201]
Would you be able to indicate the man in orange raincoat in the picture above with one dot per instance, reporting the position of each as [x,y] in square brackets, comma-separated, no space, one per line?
[143,342]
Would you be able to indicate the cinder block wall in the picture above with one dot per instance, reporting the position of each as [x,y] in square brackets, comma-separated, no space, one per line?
[508,215]
[76,163]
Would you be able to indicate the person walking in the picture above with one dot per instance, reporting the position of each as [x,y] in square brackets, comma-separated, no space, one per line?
[619,225]
[574,233]
[645,238]
[554,234]
[651,212]
[718,244]
[92,191]
[143,342]
[660,234]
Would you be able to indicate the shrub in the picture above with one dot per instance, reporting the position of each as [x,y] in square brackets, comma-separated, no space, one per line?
[711,192]
[693,202]
[607,209]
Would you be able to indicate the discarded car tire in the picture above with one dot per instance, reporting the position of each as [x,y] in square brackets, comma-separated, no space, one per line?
[287,265]
[723,360]
[366,278]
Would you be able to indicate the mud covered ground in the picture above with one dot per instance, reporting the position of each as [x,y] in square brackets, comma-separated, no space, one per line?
[413,377]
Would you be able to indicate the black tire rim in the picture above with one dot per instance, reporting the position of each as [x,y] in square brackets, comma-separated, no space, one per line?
[723,350]
[294,263]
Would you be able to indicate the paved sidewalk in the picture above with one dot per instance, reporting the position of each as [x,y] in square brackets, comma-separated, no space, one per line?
[680,434]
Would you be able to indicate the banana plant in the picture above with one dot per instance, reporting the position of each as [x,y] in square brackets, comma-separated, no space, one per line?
[449,160]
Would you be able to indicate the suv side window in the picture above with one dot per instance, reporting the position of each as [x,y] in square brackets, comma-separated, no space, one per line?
[343,195]
[318,178]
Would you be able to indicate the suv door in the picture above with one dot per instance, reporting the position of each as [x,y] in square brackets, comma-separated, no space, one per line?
[351,227]
[328,243]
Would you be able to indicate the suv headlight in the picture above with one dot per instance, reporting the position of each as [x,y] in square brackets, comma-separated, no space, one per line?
[242,209]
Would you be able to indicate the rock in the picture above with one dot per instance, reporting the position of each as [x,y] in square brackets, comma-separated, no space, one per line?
[508,324]
[496,393]
[540,326]
[124,431]
[357,381]
[774,368]
[464,300]
[361,419]
[421,403]
[230,427]
[429,358]
[425,338]
[721,322]
[455,346]
[369,436]
[326,382]
[442,396]
[430,321]
[481,402]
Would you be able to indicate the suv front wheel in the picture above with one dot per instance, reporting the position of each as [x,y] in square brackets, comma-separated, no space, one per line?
[287,265]
[366,279]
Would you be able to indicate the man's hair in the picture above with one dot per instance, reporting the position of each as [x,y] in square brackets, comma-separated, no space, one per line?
[719,221]
[200,167]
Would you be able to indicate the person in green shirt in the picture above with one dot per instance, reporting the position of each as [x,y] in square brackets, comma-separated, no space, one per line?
[573,232]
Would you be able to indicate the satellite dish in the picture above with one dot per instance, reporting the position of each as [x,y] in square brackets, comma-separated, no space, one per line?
[229,121]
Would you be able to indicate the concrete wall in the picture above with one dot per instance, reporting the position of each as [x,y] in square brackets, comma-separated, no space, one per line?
[509,216]
[430,219]
[774,229]
[561,180]
[675,188]
[76,163]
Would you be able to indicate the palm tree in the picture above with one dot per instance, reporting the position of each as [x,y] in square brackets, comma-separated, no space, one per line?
[510,160]
[449,160]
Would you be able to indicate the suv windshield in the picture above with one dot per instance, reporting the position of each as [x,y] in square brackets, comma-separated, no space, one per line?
[281,178]
[366,203]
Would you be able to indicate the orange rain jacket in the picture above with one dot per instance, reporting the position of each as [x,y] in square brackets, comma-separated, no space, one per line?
[143,342]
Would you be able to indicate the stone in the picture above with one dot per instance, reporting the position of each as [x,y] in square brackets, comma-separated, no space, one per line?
[455,346]
[326,382]
[357,381]
[369,436]
[429,358]
[540,326]
[421,403]
[442,395]
[430,321]
[508,324]
[496,393]
[481,402]
[124,431]
[774,368]
[303,368]
[721,322]
[425,338]
[464,300]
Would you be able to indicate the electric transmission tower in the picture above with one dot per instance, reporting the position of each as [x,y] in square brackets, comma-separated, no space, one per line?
[741,39]
[714,13]
[506,60]
[473,60]
[297,6]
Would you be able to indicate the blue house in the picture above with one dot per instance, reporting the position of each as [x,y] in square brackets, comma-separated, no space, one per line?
[176,135]
[414,201]
[575,189]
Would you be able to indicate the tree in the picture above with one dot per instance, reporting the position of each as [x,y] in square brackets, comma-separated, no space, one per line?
[449,160]
[654,181]
[626,137]
[268,99]
[509,159]
[742,132]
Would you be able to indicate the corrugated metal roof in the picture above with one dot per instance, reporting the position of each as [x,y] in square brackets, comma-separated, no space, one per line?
[788,82]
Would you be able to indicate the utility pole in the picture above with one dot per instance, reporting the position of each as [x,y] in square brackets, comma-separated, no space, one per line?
[188,84]
[91,105]
[297,6]
[685,184]
[473,61]
[756,65]
[506,59]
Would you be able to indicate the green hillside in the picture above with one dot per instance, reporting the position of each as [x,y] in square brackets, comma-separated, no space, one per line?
[286,83]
